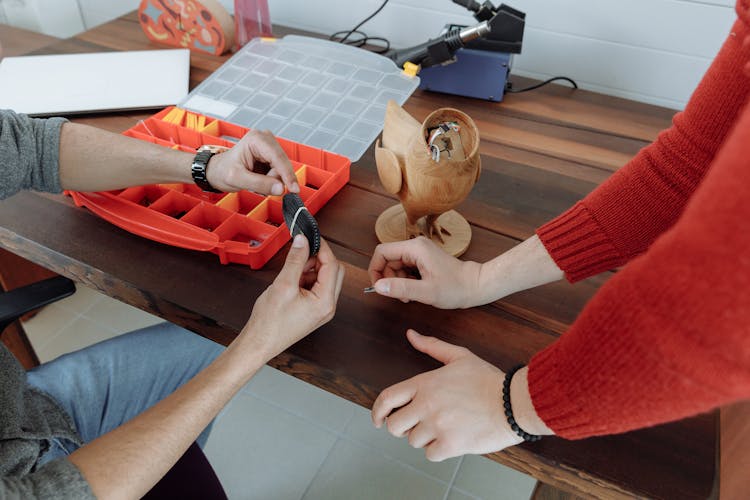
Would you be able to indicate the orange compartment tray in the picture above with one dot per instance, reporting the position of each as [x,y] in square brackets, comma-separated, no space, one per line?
[243,227]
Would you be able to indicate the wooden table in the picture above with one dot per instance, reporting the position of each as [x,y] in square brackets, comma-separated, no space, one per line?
[541,151]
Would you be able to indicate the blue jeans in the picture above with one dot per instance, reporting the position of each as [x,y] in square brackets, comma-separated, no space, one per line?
[104,385]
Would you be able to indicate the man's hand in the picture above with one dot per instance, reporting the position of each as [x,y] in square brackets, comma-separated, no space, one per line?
[127,461]
[444,281]
[302,298]
[451,411]
[243,166]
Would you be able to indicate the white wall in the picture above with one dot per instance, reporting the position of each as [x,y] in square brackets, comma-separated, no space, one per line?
[61,18]
[653,51]
[97,12]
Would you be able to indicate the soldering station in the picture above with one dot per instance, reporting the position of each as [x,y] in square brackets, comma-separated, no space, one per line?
[470,61]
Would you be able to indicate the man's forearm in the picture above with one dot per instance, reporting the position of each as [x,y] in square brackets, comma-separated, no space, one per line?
[524,266]
[96,160]
[130,460]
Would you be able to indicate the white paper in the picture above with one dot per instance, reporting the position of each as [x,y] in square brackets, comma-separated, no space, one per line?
[76,83]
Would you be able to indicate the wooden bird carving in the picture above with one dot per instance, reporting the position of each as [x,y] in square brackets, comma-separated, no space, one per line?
[429,181]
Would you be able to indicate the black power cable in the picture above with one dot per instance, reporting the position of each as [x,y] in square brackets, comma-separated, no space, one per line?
[509,86]
[363,39]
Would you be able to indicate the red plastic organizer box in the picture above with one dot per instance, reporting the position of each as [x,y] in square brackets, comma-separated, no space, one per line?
[244,227]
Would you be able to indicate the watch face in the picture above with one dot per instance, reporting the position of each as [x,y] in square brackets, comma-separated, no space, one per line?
[185,23]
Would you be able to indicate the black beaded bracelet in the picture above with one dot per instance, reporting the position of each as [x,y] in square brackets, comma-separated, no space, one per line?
[509,409]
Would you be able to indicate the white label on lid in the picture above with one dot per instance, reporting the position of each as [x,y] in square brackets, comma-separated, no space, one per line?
[208,106]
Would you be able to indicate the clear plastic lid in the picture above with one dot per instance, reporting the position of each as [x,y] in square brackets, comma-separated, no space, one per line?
[312,91]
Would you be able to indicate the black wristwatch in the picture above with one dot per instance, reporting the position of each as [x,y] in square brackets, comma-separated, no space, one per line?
[198,170]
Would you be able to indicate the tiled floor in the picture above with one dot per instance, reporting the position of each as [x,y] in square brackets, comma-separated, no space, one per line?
[283,439]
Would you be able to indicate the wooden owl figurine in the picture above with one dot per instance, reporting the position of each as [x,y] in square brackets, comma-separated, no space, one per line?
[432,167]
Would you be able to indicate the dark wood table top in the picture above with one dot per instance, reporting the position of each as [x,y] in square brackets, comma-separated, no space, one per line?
[541,152]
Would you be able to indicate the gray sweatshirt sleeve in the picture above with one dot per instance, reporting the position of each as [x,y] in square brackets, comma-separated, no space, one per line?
[29,153]
[57,479]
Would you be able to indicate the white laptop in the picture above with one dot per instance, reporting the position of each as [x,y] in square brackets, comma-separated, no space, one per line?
[102,81]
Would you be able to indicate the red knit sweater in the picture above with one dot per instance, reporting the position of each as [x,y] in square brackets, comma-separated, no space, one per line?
[669,335]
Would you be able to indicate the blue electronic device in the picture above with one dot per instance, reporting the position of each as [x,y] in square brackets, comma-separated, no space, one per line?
[482,74]
[472,61]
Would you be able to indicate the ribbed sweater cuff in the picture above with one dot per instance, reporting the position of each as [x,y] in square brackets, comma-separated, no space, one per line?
[567,420]
[578,245]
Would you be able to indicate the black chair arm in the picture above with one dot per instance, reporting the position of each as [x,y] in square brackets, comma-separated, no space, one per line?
[17,302]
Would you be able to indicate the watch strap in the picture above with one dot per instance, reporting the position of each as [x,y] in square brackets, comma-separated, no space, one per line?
[199,168]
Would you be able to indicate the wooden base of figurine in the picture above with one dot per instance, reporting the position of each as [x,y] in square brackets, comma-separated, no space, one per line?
[391,226]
